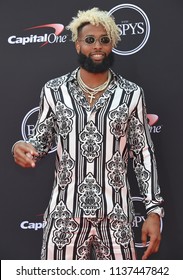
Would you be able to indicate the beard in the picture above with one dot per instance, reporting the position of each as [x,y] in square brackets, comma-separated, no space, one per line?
[87,63]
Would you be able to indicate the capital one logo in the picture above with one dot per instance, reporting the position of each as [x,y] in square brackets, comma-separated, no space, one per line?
[152,120]
[27,225]
[28,124]
[135,28]
[46,38]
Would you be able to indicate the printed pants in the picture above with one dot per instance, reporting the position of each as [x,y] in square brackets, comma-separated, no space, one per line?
[87,238]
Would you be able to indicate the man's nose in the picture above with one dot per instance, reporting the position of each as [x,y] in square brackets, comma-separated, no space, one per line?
[97,43]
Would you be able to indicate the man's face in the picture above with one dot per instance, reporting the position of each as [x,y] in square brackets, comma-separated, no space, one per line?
[94,49]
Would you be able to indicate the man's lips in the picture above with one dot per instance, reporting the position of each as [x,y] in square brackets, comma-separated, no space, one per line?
[97,56]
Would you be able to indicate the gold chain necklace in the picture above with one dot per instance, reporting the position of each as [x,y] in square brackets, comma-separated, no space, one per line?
[92,91]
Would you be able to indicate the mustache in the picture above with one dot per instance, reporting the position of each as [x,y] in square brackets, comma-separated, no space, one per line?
[98,52]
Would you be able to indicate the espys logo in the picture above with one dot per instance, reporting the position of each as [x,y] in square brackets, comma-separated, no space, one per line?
[135,28]
[51,38]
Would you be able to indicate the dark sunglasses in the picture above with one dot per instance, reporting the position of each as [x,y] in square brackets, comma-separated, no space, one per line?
[90,40]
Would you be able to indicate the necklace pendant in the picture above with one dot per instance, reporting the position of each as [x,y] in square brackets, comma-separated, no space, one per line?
[91,96]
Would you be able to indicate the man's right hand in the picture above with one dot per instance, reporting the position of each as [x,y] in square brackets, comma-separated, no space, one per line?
[24,154]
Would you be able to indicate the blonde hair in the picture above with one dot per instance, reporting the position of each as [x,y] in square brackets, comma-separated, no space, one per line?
[95,16]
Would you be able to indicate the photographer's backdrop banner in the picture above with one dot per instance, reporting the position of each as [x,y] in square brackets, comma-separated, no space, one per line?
[35,47]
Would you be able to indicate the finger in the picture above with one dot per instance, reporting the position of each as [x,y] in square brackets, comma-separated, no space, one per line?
[30,151]
[146,254]
[29,155]
[33,152]
[25,155]
[24,159]
[32,159]
[157,245]
[144,238]
[152,248]
[25,148]
[25,163]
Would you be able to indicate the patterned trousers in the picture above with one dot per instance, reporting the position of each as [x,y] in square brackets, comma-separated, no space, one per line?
[88,238]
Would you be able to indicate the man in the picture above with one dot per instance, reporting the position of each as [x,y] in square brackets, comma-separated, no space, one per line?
[98,118]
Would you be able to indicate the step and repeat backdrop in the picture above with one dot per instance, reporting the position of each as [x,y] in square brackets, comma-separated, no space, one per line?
[35,47]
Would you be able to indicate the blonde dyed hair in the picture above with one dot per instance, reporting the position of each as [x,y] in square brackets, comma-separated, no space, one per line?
[95,16]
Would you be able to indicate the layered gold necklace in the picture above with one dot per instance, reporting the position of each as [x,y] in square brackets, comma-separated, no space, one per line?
[92,91]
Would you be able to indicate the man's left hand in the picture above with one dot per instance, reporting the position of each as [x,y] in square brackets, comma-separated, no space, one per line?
[151,229]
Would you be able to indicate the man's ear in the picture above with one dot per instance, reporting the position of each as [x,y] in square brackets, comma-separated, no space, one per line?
[77,46]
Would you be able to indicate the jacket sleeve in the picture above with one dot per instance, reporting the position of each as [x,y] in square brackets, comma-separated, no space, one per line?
[144,162]
[44,131]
